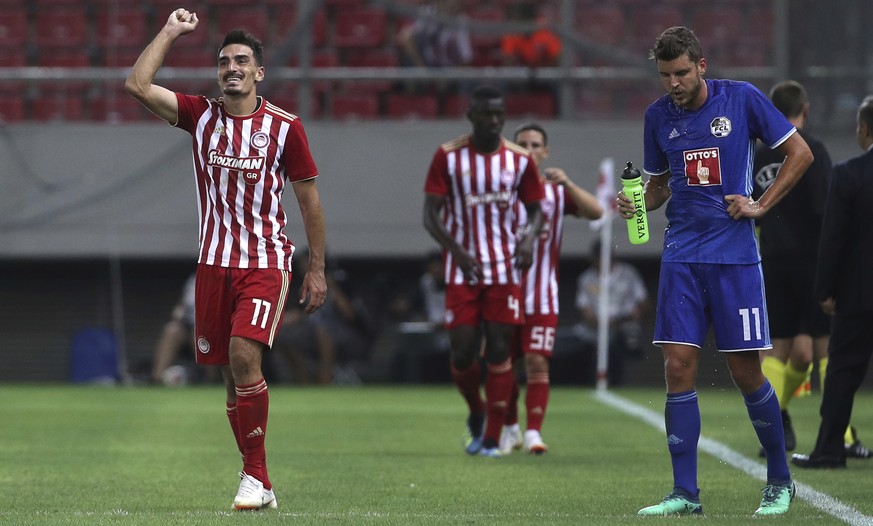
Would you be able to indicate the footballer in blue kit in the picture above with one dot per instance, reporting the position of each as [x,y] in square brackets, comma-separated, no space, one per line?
[699,147]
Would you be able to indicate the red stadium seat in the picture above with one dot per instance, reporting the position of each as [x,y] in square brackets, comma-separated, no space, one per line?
[486,15]
[64,58]
[360,28]
[58,107]
[364,58]
[354,106]
[13,60]
[115,106]
[594,104]
[285,17]
[122,27]
[603,24]
[401,106]
[61,28]
[13,28]
[538,104]
[13,107]
[718,26]
[114,57]
[648,22]
[252,18]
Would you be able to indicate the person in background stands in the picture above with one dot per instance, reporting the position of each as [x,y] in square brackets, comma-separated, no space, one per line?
[245,150]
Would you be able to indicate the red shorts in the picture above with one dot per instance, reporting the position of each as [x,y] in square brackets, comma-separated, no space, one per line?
[248,303]
[537,335]
[472,304]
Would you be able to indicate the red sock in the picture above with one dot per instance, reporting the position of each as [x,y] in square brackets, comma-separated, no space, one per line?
[512,408]
[536,400]
[498,388]
[468,384]
[252,404]
[234,425]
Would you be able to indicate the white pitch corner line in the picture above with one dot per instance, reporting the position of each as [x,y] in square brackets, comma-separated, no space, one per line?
[815,498]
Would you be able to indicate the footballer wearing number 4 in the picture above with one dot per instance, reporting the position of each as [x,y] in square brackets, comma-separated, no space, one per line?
[245,150]
[472,189]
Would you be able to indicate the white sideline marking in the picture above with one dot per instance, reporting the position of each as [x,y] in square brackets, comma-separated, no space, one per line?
[817,499]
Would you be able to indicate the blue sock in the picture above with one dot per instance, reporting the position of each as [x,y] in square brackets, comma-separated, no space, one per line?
[682,419]
[766,418]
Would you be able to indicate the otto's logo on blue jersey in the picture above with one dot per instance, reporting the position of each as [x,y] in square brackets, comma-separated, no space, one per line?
[720,127]
[702,167]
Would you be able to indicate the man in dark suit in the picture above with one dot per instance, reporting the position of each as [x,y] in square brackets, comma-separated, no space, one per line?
[844,286]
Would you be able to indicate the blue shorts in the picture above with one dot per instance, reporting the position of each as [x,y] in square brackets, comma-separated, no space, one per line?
[731,298]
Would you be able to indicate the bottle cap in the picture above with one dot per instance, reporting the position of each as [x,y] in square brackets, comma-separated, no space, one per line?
[630,172]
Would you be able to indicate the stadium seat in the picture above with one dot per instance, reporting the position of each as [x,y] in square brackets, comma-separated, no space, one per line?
[115,106]
[603,24]
[354,106]
[401,106]
[58,106]
[594,104]
[365,58]
[360,28]
[718,26]
[114,57]
[61,28]
[252,18]
[455,105]
[64,58]
[647,22]
[122,27]
[284,19]
[13,60]
[13,28]
[13,107]
[485,16]
[288,101]
[541,105]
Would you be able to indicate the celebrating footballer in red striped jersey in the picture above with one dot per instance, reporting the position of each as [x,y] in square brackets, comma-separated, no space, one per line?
[244,149]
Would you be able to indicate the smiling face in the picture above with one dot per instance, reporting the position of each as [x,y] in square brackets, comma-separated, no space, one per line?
[238,71]
[682,79]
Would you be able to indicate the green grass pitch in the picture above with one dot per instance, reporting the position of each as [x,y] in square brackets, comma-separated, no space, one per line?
[376,455]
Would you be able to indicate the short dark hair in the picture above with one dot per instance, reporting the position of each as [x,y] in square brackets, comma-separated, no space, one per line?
[531,126]
[484,93]
[789,97]
[241,36]
[865,112]
[675,42]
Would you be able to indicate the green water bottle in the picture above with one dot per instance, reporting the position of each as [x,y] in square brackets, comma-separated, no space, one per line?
[638,225]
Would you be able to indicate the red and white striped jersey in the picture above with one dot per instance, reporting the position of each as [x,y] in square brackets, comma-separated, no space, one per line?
[241,165]
[540,282]
[480,212]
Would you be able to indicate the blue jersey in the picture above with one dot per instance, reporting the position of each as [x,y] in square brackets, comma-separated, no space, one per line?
[709,153]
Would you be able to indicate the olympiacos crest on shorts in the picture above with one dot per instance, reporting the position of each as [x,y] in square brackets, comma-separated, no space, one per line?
[702,167]
[203,345]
